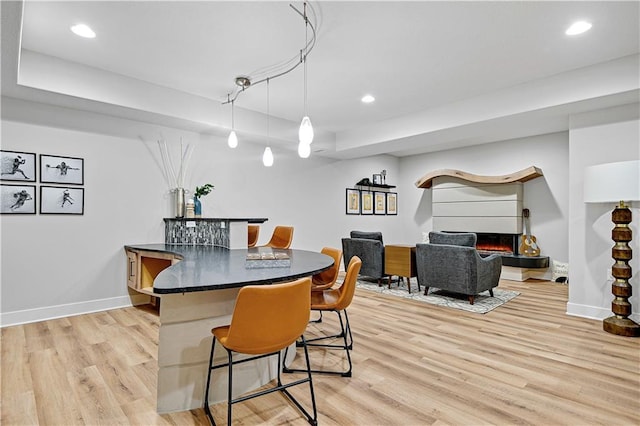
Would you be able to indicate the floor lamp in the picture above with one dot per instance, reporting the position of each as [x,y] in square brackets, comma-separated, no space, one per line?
[609,183]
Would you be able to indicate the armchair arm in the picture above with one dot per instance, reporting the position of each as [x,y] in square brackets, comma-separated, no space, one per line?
[489,269]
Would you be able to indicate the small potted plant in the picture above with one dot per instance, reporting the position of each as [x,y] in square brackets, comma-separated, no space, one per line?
[200,191]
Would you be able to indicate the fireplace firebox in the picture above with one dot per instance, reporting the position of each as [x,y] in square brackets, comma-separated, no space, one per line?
[490,243]
[507,245]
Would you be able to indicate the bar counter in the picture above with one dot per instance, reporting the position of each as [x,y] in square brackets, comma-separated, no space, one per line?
[198,286]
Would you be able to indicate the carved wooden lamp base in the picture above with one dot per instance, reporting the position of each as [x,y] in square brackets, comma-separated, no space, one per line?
[620,323]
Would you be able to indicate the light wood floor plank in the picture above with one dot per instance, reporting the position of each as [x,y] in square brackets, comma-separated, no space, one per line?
[526,362]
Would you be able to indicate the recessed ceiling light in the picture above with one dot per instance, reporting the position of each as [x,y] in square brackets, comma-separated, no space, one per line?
[367,99]
[83,31]
[578,28]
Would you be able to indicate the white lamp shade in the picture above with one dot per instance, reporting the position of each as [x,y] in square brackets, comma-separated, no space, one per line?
[305,133]
[267,157]
[612,182]
[233,139]
[304,150]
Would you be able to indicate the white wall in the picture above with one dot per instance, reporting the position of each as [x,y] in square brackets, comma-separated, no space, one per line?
[61,265]
[546,197]
[58,265]
[605,136]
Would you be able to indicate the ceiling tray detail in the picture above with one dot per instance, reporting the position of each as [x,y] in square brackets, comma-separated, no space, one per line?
[519,176]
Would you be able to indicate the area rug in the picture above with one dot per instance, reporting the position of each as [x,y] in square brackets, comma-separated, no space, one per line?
[484,302]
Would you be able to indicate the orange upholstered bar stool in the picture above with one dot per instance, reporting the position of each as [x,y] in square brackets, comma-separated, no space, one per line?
[326,279]
[265,320]
[281,237]
[253,232]
[336,300]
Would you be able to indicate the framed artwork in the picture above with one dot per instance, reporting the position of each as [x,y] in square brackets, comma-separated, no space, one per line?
[353,201]
[377,179]
[18,166]
[380,203]
[17,199]
[366,202]
[392,203]
[61,200]
[65,170]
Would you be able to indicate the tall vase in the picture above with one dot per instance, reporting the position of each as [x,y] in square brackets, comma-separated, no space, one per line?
[198,206]
[179,202]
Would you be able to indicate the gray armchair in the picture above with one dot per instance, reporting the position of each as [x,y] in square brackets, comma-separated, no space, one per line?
[369,248]
[451,262]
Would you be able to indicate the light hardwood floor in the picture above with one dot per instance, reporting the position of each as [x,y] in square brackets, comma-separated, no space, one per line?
[526,362]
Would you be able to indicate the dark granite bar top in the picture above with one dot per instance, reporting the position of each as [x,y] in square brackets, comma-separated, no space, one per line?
[218,219]
[204,268]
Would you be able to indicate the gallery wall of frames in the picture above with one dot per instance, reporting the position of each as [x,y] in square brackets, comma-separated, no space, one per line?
[372,197]
[44,183]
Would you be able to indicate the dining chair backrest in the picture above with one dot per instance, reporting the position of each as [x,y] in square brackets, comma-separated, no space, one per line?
[326,279]
[281,238]
[348,287]
[253,231]
[267,318]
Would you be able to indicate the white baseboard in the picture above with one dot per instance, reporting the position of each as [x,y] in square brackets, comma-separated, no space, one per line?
[594,312]
[60,311]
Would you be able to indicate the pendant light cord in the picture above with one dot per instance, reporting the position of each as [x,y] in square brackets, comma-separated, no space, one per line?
[306,52]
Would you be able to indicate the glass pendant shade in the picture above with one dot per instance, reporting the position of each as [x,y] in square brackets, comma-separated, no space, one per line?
[233,139]
[305,133]
[304,150]
[267,157]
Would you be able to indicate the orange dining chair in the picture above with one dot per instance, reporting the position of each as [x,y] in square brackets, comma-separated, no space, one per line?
[326,279]
[336,300]
[253,231]
[281,237]
[265,320]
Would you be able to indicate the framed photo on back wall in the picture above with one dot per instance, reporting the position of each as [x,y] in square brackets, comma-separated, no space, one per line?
[61,200]
[66,170]
[366,204]
[392,203]
[380,203]
[353,201]
[17,199]
[18,166]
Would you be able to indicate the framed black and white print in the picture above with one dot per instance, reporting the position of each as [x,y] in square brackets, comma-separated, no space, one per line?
[392,203]
[353,201]
[61,200]
[377,179]
[366,202]
[18,166]
[380,203]
[17,199]
[64,170]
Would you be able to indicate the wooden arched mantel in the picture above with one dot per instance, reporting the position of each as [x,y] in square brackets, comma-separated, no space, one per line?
[520,176]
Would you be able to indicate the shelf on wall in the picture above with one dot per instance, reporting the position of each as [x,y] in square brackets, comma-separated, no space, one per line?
[374,185]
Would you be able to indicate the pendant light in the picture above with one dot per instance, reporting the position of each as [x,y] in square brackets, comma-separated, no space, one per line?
[304,150]
[267,157]
[232,141]
[305,133]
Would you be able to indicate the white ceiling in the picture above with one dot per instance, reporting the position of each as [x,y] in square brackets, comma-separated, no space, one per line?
[414,57]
